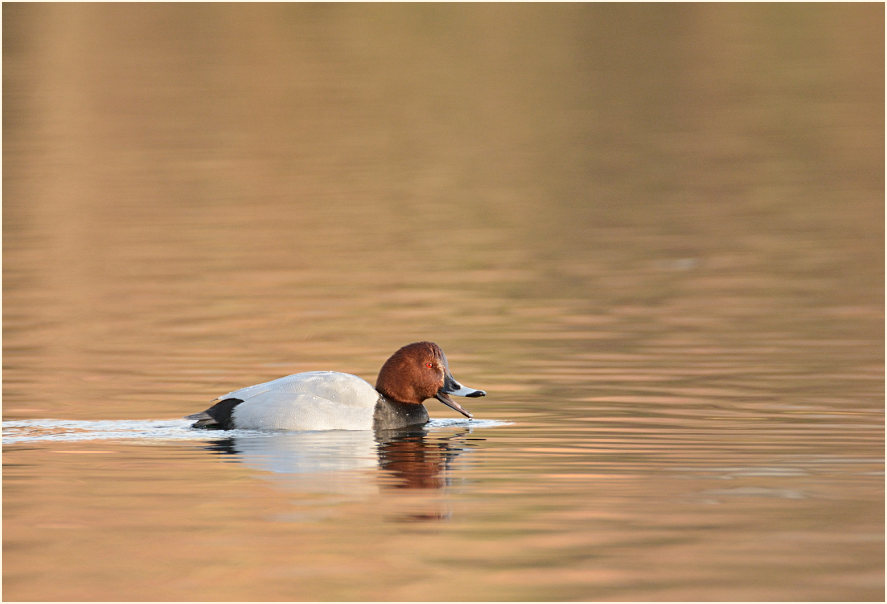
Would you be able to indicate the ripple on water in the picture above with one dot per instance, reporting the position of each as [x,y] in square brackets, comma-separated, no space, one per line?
[36,430]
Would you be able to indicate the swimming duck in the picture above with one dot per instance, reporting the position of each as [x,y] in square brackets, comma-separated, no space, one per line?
[329,400]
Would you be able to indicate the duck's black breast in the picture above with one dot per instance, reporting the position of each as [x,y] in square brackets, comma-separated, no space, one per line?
[389,415]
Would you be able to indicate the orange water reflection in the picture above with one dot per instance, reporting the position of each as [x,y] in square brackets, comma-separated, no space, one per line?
[653,234]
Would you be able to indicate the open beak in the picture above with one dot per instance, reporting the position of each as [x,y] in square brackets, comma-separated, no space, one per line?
[451,386]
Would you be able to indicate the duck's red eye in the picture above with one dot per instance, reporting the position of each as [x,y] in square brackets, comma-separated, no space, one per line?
[429,365]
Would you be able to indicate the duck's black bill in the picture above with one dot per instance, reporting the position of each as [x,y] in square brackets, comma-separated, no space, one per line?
[451,386]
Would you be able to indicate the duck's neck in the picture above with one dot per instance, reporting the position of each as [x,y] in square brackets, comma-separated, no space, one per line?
[391,414]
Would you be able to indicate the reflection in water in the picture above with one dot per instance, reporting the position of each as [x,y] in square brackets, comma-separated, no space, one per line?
[655,233]
[340,463]
[334,460]
[415,459]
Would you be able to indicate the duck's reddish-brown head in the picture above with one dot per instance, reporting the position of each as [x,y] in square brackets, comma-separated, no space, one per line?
[419,371]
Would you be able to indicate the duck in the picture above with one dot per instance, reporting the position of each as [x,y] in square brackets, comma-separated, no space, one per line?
[330,400]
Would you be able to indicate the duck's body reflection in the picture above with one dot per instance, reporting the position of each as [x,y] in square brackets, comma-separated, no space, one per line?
[340,461]
[414,460]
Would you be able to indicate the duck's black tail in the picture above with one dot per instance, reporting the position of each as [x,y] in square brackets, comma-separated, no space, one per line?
[217,417]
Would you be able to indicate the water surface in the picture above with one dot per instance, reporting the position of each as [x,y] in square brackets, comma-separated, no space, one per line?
[653,234]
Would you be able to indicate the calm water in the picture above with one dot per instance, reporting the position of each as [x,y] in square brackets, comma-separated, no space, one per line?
[653,234]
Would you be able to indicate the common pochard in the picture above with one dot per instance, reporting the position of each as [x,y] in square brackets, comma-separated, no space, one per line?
[329,400]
